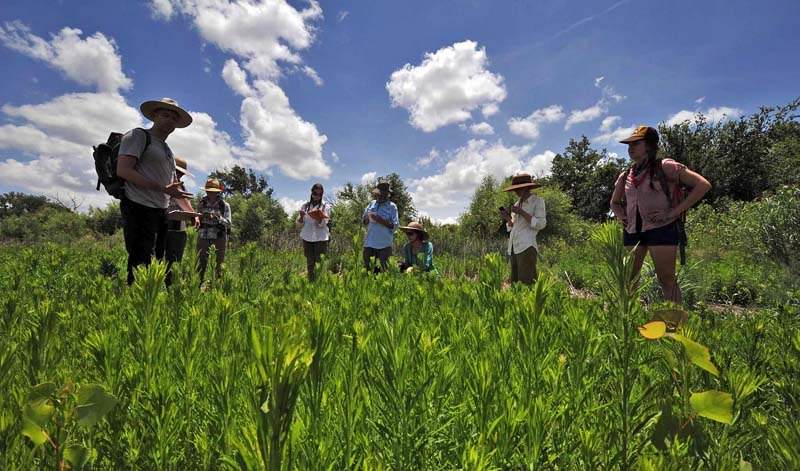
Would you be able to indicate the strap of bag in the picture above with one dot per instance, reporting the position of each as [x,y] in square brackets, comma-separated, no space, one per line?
[680,223]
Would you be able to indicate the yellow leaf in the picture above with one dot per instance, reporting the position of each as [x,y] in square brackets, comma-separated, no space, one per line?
[653,330]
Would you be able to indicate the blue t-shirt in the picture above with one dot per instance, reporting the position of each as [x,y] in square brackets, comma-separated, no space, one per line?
[378,235]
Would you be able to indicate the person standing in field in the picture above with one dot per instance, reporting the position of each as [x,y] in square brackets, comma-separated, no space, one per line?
[381,219]
[171,243]
[645,202]
[524,220]
[315,233]
[147,165]
[418,251]
[215,220]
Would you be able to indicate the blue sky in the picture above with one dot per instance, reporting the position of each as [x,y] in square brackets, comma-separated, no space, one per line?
[441,92]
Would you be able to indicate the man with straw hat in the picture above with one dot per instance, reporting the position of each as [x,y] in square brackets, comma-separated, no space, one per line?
[147,165]
[215,220]
[524,220]
[171,243]
[381,218]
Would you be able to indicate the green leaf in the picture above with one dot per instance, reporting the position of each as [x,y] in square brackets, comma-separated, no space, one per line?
[674,318]
[33,431]
[697,353]
[41,392]
[714,405]
[39,413]
[93,404]
[76,455]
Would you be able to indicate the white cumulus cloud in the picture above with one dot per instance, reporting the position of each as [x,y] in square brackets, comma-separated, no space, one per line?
[711,115]
[608,97]
[58,152]
[290,205]
[447,193]
[614,136]
[368,178]
[263,36]
[608,123]
[482,129]
[530,127]
[427,159]
[447,86]
[92,61]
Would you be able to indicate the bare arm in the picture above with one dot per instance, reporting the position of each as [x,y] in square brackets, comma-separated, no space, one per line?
[126,169]
[616,201]
[699,186]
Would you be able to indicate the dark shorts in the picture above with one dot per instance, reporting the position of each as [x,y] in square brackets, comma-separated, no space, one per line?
[664,235]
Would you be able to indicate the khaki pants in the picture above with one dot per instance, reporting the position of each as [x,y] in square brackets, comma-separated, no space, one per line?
[202,253]
[523,266]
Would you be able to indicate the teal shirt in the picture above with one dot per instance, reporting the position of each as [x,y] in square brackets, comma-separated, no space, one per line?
[424,258]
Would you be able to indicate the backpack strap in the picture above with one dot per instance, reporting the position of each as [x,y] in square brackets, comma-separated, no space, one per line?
[681,221]
[147,139]
[662,179]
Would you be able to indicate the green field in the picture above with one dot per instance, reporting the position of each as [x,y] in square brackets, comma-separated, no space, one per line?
[263,370]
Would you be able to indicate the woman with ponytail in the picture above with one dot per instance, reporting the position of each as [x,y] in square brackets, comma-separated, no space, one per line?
[645,203]
[313,218]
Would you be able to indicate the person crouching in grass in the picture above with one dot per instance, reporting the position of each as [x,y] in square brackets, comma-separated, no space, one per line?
[418,251]
[215,219]
[524,220]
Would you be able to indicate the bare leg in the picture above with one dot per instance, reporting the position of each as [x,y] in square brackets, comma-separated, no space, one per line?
[640,252]
[664,260]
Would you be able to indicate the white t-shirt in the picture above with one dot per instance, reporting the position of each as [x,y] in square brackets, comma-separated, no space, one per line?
[313,230]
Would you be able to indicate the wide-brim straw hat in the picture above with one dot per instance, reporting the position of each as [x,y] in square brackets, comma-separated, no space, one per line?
[522,180]
[213,186]
[415,226]
[150,107]
[181,166]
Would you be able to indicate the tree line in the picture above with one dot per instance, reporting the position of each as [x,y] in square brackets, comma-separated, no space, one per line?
[745,159]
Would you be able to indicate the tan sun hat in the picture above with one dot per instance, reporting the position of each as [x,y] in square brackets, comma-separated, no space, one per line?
[149,109]
[642,133]
[522,180]
[213,186]
[181,166]
[415,226]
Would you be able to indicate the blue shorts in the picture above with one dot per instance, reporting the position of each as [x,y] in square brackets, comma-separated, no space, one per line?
[664,235]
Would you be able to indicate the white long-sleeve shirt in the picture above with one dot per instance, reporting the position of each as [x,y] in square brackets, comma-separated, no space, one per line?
[523,234]
[313,230]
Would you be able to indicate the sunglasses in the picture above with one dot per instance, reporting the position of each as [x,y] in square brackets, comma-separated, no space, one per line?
[316,193]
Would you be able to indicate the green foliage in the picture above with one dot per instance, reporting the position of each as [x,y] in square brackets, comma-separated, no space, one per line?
[18,204]
[742,158]
[482,220]
[587,176]
[46,224]
[106,220]
[242,181]
[263,370]
[255,216]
